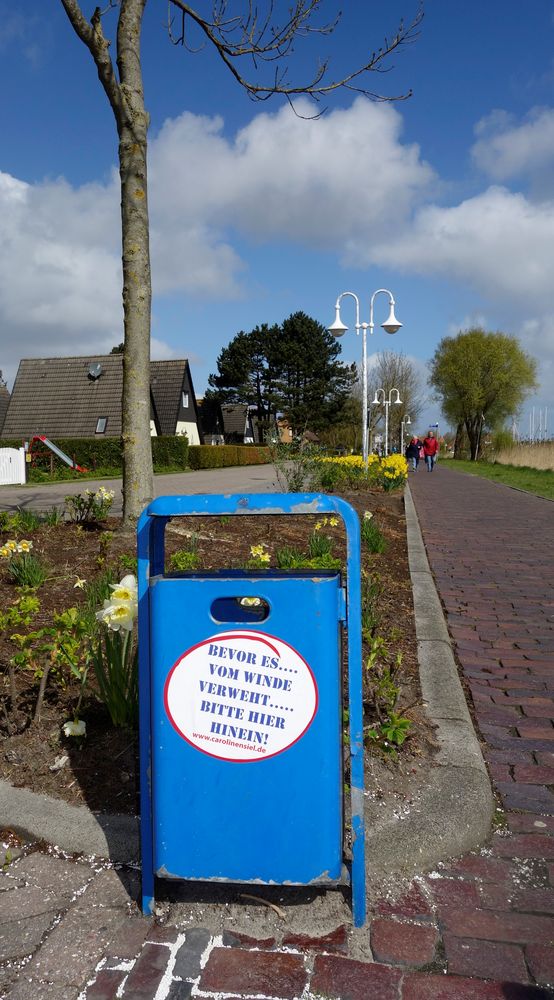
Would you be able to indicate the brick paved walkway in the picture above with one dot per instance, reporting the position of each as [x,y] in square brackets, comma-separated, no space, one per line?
[480,928]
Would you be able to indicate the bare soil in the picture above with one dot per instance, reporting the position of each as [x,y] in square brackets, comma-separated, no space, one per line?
[101,770]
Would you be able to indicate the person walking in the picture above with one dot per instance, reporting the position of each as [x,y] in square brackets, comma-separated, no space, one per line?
[430,449]
[412,452]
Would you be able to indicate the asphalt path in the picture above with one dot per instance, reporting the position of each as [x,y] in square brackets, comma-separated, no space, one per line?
[241,479]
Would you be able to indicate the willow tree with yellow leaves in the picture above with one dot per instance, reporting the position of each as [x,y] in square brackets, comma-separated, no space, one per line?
[250,39]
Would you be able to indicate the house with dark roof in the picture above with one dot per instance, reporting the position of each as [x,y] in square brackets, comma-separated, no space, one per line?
[81,397]
[240,424]
[4,400]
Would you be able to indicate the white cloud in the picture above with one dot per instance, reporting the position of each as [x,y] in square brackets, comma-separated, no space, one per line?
[498,242]
[320,183]
[345,183]
[506,149]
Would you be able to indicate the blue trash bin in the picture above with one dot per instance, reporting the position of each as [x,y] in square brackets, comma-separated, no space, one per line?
[241,706]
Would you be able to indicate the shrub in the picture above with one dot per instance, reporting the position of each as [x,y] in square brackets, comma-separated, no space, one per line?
[90,506]
[169,450]
[207,456]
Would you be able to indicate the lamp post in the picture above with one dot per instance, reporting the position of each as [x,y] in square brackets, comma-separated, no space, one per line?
[337,328]
[387,402]
[405,422]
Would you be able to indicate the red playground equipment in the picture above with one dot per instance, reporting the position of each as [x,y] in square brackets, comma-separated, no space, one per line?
[35,451]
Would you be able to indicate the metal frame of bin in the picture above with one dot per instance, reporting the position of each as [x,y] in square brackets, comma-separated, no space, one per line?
[150,542]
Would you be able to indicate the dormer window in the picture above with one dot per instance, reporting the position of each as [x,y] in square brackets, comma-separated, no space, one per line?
[101,425]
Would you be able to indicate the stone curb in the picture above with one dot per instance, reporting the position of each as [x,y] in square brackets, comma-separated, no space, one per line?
[451,809]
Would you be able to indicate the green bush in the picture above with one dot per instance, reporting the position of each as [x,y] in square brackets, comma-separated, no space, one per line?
[106,453]
[207,456]
[170,450]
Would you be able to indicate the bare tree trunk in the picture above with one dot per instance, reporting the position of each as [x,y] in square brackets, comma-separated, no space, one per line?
[138,480]
[126,97]
[459,441]
[473,428]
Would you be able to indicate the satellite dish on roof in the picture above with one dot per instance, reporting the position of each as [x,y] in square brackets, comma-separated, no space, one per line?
[95,370]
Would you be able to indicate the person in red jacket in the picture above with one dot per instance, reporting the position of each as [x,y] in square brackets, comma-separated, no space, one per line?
[430,449]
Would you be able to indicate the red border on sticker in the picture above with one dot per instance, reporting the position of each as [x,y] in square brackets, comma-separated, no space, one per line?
[260,637]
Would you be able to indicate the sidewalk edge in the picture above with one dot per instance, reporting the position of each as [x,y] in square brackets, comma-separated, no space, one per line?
[452,811]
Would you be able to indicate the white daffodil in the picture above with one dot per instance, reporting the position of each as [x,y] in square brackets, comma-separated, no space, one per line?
[79,583]
[117,616]
[24,545]
[76,727]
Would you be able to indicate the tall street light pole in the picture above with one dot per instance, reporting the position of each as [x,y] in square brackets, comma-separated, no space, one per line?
[387,402]
[405,422]
[337,328]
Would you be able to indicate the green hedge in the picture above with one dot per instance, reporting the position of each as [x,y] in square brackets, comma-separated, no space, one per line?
[207,456]
[106,453]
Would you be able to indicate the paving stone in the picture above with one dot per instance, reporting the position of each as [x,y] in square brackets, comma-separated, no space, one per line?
[427,987]
[525,846]
[179,991]
[350,980]
[19,938]
[270,973]
[532,798]
[73,948]
[534,774]
[532,730]
[31,902]
[534,901]
[46,872]
[514,928]
[481,867]
[486,959]
[187,961]
[520,823]
[33,990]
[399,943]
[232,939]
[335,941]
[111,888]
[129,939]
[163,933]
[412,904]
[451,892]
[540,959]
[106,985]
[147,972]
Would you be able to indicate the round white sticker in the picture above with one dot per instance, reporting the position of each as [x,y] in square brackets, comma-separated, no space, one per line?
[241,696]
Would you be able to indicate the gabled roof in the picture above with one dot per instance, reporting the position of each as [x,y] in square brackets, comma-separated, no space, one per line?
[234,418]
[61,397]
[4,402]
[166,382]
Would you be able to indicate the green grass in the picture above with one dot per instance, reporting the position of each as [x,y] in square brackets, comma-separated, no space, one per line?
[537,481]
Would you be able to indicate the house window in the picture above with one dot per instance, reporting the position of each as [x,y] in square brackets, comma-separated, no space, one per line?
[185,400]
[101,425]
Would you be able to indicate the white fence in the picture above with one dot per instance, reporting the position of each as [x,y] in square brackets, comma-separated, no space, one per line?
[12,466]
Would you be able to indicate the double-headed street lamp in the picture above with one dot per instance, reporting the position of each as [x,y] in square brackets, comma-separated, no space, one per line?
[387,402]
[403,424]
[337,328]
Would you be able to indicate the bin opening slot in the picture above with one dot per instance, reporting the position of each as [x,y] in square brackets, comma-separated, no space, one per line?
[240,609]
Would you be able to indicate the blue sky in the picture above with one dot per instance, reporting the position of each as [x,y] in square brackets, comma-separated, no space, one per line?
[447,199]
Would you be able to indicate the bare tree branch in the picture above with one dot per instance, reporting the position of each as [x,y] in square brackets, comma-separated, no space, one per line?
[246,36]
[93,37]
